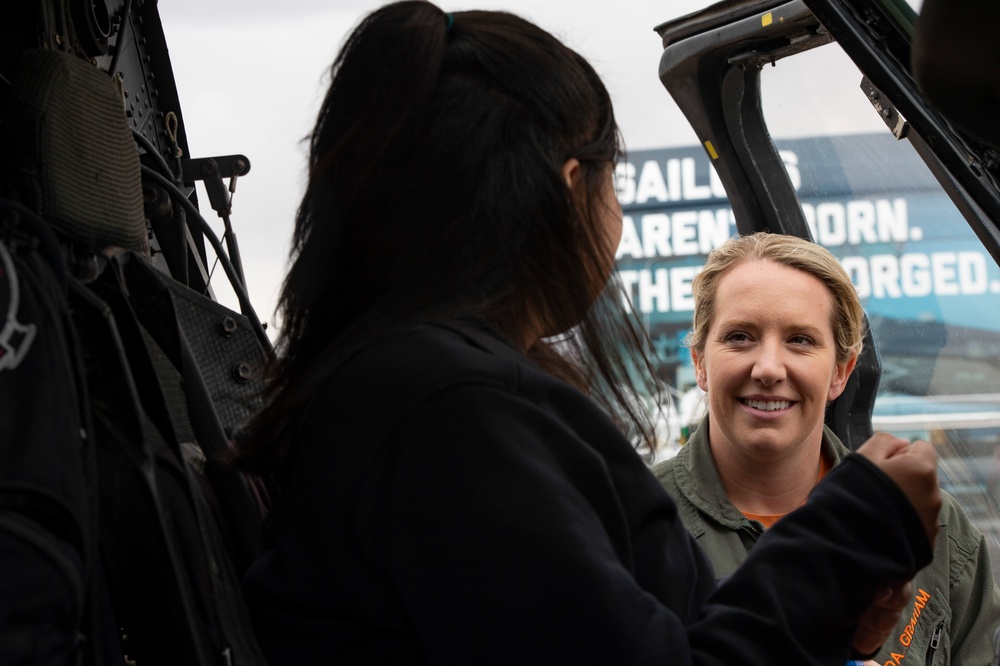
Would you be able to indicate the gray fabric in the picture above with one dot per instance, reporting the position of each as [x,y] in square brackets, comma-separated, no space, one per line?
[70,152]
[956,604]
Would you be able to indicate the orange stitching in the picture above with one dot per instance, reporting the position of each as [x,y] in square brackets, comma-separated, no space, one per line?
[906,638]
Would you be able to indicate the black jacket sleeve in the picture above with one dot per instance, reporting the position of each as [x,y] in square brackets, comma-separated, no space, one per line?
[811,574]
[503,540]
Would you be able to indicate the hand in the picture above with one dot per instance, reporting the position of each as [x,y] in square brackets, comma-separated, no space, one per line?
[913,466]
[881,616]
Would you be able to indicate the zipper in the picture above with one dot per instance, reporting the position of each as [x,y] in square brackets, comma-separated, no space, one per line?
[935,642]
[749,531]
[752,527]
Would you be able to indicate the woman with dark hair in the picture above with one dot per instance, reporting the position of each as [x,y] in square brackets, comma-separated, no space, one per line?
[445,420]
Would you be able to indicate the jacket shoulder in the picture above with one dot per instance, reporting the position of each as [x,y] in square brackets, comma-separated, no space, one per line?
[664,473]
[958,534]
[669,473]
[426,358]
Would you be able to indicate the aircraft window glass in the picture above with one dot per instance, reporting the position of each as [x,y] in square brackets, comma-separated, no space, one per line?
[904,12]
[931,290]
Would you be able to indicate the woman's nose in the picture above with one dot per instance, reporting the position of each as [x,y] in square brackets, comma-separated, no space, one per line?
[769,365]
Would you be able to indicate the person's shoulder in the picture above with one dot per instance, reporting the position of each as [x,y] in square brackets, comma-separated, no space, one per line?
[956,525]
[372,386]
[679,472]
[424,357]
[951,508]
[664,470]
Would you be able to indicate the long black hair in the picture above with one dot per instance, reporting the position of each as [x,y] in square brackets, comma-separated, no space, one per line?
[436,192]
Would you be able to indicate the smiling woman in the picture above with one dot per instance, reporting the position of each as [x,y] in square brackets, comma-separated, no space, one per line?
[770,358]
[777,331]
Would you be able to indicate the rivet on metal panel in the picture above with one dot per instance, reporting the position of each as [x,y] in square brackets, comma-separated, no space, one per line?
[227,326]
[242,372]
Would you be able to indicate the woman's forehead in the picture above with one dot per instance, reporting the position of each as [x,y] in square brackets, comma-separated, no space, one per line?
[762,288]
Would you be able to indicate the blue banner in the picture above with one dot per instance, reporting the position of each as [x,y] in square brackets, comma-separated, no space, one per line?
[868,198]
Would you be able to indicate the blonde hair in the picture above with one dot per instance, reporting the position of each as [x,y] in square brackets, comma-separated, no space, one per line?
[847,319]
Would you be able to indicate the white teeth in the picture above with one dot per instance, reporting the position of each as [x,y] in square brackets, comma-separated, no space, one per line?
[768,405]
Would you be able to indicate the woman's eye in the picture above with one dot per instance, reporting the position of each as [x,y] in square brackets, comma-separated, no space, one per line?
[800,340]
[736,337]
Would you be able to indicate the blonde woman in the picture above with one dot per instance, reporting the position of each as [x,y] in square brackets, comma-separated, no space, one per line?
[777,330]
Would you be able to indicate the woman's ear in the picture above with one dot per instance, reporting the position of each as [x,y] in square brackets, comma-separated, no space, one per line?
[571,172]
[840,374]
[699,371]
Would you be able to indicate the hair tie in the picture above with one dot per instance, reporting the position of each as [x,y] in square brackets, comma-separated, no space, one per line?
[449,23]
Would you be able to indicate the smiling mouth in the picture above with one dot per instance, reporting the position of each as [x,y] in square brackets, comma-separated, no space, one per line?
[767,405]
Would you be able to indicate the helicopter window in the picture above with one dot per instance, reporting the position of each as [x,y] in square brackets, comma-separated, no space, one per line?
[930,288]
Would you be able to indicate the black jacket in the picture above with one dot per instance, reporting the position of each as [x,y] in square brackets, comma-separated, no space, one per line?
[450,503]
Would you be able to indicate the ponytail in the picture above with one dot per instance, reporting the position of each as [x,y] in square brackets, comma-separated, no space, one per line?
[384,75]
[436,193]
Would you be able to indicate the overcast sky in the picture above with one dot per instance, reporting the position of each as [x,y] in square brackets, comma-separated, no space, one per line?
[250,75]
